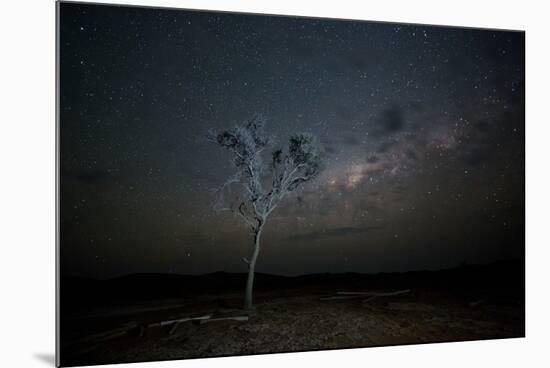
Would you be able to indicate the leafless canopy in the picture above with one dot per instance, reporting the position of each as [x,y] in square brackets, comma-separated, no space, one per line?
[260,182]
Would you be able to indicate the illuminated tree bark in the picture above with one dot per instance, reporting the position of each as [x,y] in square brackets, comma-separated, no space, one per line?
[260,187]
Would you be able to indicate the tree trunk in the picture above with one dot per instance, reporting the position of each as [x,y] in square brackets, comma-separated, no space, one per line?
[251,265]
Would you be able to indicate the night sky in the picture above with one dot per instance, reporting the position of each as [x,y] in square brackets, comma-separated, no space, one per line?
[423,129]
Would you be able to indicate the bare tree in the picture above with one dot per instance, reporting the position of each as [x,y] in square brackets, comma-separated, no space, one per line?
[258,184]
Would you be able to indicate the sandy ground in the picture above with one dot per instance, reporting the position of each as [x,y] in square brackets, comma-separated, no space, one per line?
[284,322]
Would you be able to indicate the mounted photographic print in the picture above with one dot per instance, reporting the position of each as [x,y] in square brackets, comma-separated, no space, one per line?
[235,184]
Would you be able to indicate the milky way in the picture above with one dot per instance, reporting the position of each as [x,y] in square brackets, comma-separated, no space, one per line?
[423,129]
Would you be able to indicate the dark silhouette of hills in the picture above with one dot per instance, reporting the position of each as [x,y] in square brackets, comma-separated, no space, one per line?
[500,280]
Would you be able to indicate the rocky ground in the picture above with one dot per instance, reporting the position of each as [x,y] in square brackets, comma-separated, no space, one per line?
[284,321]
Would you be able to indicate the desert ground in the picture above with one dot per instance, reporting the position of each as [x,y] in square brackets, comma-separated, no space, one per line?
[311,312]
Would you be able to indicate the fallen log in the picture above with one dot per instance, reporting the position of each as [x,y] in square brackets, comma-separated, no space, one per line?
[476,303]
[373,293]
[172,321]
[225,318]
[340,297]
[343,295]
[176,322]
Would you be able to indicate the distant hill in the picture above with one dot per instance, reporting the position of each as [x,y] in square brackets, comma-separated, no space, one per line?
[505,277]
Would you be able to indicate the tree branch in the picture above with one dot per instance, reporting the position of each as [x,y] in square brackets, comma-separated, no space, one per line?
[245,217]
